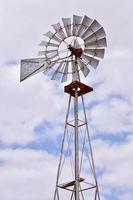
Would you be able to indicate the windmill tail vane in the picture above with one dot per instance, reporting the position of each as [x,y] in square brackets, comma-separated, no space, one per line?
[76,46]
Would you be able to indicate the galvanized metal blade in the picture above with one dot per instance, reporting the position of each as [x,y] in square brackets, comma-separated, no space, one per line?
[76,43]
[77,19]
[86,33]
[100,33]
[67,26]
[44,43]
[41,53]
[95,25]
[65,73]
[52,55]
[96,44]
[96,35]
[55,52]
[76,24]
[61,34]
[32,66]
[50,35]
[92,29]
[59,31]
[84,25]
[58,70]
[90,60]
[95,52]
[52,51]
[81,30]
[87,21]
[57,27]
[85,70]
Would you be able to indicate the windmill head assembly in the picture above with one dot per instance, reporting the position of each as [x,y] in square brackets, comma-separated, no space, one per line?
[76,45]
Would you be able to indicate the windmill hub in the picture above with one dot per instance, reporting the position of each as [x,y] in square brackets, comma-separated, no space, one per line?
[77,52]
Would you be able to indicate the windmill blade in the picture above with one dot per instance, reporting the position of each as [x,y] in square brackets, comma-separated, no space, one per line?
[44,43]
[52,55]
[32,66]
[96,35]
[58,70]
[74,71]
[76,24]
[59,31]
[67,25]
[65,73]
[41,53]
[49,53]
[86,33]
[96,44]
[95,52]
[50,35]
[76,43]
[57,27]
[77,19]
[100,33]
[94,26]
[90,60]
[85,23]
[85,70]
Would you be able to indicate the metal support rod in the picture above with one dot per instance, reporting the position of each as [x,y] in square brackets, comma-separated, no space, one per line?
[76,146]
[81,192]
[89,140]
[62,147]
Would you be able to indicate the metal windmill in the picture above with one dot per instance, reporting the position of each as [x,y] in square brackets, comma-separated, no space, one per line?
[69,53]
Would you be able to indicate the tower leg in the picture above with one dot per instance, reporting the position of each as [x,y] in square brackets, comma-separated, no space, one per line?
[76,146]
[56,194]
[91,152]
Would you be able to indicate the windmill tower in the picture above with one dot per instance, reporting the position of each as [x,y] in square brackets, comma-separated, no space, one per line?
[68,54]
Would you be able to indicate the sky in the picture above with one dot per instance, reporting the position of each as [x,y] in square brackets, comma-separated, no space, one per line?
[32,113]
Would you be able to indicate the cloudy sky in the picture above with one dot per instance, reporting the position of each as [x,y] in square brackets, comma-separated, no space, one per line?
[32,113]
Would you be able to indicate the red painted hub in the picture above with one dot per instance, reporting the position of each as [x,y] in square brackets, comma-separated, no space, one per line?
[76,51]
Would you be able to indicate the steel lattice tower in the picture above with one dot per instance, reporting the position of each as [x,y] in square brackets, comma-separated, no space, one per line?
[80,149]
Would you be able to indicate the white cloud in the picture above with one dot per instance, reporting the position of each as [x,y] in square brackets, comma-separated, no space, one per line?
[116,163]
[27,174]
[25,105]
[31,174]
[112,116]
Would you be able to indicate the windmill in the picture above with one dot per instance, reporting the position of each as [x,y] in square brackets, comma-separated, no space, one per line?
[68,54]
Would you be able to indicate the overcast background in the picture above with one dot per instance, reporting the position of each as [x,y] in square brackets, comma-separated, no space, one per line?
[32,112]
